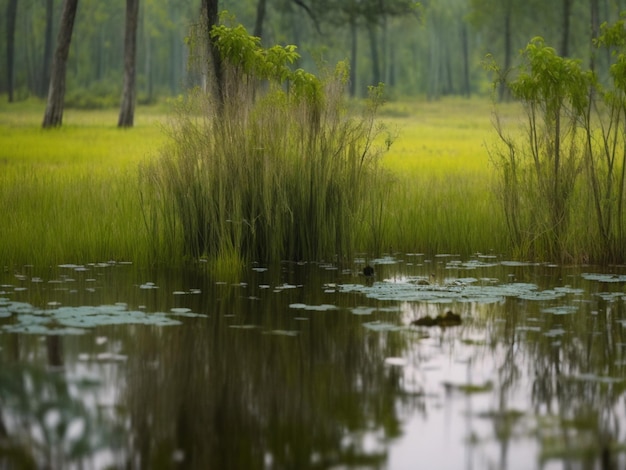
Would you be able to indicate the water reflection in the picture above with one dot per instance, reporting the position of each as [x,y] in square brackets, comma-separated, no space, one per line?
[303,366]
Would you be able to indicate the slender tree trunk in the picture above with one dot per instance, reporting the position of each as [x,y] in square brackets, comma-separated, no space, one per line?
[353,56]
[434,60]
[260,17]
[11,17]
[47,48]
[567,9]
[595,30]
[371,31]
[53,116]
[467,89]
[127,108]
[508,48]
[212,19]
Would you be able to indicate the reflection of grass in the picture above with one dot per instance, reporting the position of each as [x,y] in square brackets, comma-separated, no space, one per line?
[469,389]
[72,194]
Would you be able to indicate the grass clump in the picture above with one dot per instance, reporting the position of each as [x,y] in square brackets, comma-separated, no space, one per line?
[272,168]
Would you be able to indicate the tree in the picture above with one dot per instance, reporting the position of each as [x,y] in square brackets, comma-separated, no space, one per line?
[369,14]
[260,16]
[11,15]
[53,116]
[47,52]
[127,108]
[212,19]
[565,32]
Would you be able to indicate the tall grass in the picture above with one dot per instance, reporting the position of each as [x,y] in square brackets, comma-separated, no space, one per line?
[268,170]
[71,195]
[86,193]
[443,199]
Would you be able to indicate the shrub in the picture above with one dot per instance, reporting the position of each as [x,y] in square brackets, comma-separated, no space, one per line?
[574,126]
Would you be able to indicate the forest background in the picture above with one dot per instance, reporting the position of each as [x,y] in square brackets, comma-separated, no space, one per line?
[433,50]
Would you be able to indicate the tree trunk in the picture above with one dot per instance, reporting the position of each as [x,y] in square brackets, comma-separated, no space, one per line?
[353,56]
[11,16]
[595,30]
[260,16]
[53,116]
[212,17]
[466,60]
[127,108]
[567,9]
[47,50]
[508,50]
[371,30]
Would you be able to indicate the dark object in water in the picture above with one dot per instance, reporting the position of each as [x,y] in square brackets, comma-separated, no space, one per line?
[448,319]
[368,271]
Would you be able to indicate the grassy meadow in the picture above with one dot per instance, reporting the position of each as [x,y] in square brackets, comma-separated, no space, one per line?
[76,195]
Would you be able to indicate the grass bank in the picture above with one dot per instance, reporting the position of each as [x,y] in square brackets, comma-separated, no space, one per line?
[442,200]
[73,194]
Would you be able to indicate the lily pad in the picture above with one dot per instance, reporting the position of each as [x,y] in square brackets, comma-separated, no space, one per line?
[381,326]
[74,320]
[561,310]
[282,332]
[363,310]
[319,308]
[607,278]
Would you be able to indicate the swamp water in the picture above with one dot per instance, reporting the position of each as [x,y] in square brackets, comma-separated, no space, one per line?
[315,366]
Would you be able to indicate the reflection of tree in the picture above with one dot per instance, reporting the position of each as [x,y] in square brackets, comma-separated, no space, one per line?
[42,423]
[576,372]
[223,397]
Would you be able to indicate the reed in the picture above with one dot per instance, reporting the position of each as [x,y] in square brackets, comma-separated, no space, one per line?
[89,192]
[266,169]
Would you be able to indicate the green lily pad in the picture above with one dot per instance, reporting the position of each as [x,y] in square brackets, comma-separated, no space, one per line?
[74,320]
[607,278]
[382,326]
[363,310]
[561,310]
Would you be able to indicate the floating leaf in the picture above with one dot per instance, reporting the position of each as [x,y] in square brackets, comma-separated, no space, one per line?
[363,310]
[282,332]
[381,326]
[319,308]
[561,310]
[604,277]
[555,332]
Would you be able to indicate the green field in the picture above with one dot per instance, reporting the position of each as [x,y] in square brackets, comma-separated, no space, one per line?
[74,194]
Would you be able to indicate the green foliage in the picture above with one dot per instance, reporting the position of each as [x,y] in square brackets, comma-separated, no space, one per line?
[574,125]
[279,170]
[98,95]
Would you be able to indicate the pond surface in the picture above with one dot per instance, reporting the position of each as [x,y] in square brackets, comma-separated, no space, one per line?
[315,366]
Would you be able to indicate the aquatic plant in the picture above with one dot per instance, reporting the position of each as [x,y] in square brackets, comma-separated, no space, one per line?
[278,169]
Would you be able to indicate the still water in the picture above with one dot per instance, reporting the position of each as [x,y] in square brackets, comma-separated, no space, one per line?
[314,366]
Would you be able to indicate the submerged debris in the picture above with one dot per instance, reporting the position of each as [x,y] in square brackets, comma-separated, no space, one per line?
[368,271]
[448,319]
